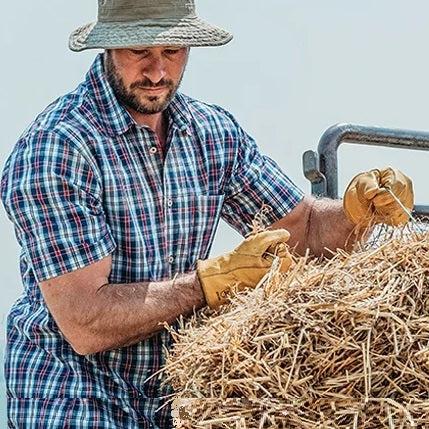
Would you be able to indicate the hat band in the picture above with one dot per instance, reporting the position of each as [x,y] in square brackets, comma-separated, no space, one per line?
[120,13]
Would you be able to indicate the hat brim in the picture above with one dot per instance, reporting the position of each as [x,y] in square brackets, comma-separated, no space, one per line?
[115,35]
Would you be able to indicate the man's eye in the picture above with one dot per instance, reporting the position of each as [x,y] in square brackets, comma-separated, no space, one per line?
[138,51]
[172,51]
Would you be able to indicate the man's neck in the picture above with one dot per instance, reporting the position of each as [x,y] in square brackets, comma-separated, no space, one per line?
[156,122]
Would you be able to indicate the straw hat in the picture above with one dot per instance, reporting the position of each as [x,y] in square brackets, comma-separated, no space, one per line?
[134,23]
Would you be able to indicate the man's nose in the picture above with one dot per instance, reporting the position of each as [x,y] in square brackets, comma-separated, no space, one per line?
[155,70]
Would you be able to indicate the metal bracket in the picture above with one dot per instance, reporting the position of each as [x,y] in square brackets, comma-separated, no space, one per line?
[310,162]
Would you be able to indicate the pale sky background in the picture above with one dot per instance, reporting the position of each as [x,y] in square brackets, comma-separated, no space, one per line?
[294,68]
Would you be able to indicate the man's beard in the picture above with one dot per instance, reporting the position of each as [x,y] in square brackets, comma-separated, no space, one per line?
[129,97]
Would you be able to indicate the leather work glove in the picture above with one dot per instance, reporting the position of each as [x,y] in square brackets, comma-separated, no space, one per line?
[367,200]
[244,266]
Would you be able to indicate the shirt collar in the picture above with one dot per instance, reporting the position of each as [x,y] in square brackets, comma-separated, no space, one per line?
[114,118]
[178,113]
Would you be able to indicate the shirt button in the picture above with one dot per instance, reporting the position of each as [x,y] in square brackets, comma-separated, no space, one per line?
[153,149]
[171,259]
[170,203]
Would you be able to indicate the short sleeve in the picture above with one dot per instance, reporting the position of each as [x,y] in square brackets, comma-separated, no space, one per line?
[53,196]
[257,182]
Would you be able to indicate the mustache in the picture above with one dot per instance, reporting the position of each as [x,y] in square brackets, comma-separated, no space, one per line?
[147,83]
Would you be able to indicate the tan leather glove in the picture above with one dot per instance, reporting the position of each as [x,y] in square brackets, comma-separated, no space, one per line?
[367,201]
[244,266]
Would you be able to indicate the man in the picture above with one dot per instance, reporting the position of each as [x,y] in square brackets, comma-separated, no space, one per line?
[115,192]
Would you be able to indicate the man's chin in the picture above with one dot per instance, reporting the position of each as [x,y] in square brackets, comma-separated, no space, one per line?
[154,104]
[147,105]
[153,108]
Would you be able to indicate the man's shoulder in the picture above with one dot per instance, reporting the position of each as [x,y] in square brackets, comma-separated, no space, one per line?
[68,114]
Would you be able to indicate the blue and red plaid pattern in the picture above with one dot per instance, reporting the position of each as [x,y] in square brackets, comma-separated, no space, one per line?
[85,181]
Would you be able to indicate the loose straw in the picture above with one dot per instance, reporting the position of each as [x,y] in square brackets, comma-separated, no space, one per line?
[339,343]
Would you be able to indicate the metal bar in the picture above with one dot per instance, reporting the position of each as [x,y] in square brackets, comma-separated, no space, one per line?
[421,211]
[359,134]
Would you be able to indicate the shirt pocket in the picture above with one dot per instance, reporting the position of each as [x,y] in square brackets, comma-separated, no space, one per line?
[194,220]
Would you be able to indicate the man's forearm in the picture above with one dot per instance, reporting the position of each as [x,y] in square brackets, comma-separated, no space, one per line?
[118,315]
[317,225]
[328,228]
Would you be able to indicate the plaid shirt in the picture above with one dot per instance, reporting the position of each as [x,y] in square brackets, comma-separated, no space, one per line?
[85,181]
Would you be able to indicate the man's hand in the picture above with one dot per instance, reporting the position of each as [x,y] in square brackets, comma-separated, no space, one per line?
[367,198]
[244,266]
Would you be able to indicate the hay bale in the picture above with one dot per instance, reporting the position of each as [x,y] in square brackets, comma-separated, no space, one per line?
[342,343]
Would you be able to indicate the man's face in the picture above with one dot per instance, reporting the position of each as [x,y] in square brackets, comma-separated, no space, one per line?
[145,79]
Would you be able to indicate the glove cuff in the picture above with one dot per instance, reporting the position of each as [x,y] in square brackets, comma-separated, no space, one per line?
[215,293]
